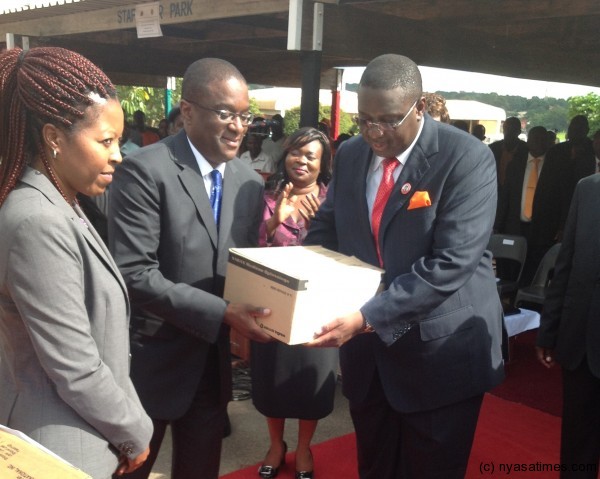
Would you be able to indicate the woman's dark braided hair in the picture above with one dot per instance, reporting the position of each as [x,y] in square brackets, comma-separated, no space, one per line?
[40,86]
[298,139]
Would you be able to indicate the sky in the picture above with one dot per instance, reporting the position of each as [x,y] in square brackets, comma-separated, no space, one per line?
[439,79]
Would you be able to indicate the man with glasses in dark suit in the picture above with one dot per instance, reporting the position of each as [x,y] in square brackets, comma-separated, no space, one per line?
[416,197]
[176,208]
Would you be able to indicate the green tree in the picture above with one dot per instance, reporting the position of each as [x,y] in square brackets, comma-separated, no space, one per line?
[552,118]
[588,105]
[254,109]
[347,124]
[133,98]
[147,99]
[292,120]
[548,112]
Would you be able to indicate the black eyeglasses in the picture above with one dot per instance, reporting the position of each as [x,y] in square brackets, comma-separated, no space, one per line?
[226,115]
[382,126]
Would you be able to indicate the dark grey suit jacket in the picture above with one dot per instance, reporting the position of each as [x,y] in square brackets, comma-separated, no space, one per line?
[438,324]
[570,322]
[165,241]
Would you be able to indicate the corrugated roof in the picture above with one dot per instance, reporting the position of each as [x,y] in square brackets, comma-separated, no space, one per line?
[31,9]
[29,5]
[512,38]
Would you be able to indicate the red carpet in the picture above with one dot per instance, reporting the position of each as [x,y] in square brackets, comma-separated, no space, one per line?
[508,435]
[527,381]
[339,454]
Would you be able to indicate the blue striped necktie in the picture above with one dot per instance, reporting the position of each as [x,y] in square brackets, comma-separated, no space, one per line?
[216,193]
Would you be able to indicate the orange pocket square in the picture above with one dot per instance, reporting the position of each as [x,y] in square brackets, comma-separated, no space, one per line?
[420,199]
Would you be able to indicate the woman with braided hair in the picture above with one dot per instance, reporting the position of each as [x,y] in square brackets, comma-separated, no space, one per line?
[64,346]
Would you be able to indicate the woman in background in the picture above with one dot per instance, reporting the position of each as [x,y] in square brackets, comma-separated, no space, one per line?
[64,343]
[436,107]
[293,381]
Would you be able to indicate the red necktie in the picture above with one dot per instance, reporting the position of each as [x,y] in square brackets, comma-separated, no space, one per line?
[383,193]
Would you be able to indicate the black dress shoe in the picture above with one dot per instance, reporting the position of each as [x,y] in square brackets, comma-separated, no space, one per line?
[269,472]
[304,474]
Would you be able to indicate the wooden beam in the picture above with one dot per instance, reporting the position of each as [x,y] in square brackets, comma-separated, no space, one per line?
[479,10]
[538,43]
[277,68]
[449,46]
[222,31]
[118,18]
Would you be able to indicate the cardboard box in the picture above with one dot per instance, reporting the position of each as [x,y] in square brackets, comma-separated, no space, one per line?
[304,286]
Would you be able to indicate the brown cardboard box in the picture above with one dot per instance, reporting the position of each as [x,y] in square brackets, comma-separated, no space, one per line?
[304,286]
[22,457]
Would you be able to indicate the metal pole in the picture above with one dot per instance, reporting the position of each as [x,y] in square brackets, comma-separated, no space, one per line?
[311,79]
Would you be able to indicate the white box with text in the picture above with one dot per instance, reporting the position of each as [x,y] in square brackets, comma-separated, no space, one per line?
[304,286]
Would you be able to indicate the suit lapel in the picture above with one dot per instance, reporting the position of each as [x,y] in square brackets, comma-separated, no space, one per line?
[417,164]
[521,176]
[364,156]
[231,185]
[194,185]
[97,245]
[76,215]
[359,170]
[192,182]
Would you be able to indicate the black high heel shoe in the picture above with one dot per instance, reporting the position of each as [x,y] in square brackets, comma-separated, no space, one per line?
[269,472]
[305,474]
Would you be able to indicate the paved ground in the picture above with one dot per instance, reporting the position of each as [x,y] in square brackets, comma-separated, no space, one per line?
[248,442]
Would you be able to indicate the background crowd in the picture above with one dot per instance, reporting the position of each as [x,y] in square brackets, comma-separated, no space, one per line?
[115,239]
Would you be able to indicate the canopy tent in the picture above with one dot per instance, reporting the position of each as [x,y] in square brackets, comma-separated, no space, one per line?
[300,42]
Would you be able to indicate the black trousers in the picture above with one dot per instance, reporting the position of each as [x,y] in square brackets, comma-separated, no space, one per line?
[580,432]
[196,436]
[421,445]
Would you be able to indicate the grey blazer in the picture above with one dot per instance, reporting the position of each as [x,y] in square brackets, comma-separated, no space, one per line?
[165,241]
[438,324]
[64,350]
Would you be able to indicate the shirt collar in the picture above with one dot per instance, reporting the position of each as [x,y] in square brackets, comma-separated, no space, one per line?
[203,164]
[530,157]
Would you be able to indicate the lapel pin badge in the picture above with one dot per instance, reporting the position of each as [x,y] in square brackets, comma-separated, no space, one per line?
[405,188]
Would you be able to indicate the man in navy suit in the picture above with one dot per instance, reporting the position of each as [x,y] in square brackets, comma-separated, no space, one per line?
[416,381]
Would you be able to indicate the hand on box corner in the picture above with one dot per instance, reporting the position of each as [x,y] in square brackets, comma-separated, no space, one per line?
[127,465]
[242,318]
[339,331]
